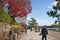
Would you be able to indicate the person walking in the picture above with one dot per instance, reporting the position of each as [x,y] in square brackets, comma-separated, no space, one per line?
[44,33]
[24,25]
[10,34]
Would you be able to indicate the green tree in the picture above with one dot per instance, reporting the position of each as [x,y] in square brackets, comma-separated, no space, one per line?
[4,17]
[54,13]
[33,22]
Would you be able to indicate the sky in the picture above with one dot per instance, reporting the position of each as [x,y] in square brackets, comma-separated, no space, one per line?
[39,11]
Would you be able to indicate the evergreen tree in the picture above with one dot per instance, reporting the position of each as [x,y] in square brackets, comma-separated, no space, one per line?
[33,22]
[54,13]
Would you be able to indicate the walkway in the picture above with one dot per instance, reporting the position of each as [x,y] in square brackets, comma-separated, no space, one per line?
[55,34]
[33,36]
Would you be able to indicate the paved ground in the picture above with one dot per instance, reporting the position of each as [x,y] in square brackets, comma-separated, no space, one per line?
[55,34]
[33,36]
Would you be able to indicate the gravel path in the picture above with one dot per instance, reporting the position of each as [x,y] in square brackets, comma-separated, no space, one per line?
[33,36]
[55,34]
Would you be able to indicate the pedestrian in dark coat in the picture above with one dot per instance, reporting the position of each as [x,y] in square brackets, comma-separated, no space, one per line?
[44,33]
